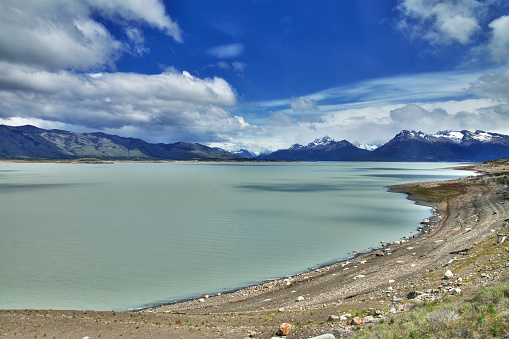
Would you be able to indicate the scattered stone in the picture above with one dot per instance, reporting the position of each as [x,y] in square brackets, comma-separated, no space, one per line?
[300,298]
[343,318]
[395,300]
[324,336]
[201,300]
[456,291]
[281,309]
[357,321]
[333,317]
[391,281]
[368,319]
[206,296]
[448,274]
[284,329]
[251,334]
[358,276]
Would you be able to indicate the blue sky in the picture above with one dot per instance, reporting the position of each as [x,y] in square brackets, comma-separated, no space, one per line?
[255,74]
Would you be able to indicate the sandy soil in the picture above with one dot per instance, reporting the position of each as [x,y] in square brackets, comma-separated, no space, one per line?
[381,282]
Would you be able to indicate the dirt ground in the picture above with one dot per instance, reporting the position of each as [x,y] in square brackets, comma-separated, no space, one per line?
[373,286]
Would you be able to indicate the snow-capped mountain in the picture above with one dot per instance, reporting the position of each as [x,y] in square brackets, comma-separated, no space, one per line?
[446,146]
[324,149]
[443,146]
[244,153]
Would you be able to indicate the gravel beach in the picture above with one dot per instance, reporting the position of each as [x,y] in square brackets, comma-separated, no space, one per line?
[468,212]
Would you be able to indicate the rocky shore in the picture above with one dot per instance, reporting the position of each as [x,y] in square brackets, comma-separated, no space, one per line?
[447,259]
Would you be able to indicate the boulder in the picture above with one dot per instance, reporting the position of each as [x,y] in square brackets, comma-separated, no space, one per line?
[284,329]
[357,321]
[448,274]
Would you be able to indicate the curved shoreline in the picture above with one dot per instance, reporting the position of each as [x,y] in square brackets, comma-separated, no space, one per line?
[380,279]
[249,297]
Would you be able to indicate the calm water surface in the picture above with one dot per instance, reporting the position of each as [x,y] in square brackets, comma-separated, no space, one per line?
[123,236]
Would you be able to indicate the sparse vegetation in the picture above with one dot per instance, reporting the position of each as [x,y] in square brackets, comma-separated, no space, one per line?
[483,315]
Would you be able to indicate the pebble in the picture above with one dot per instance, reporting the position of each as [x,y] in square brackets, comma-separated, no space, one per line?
[448,274]
[358,276]
[300,298]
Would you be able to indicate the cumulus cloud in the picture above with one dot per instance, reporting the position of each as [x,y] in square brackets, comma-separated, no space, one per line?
[57,34]
[499,43]
[444,22]
[56,63]
[116,100]
[302,104]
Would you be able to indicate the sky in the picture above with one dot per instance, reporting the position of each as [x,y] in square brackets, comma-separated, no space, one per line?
[255,74]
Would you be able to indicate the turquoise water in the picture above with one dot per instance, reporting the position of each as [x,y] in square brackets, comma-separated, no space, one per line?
[124,236]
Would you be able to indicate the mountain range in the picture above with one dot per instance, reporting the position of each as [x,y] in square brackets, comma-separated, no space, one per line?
[447,146]
[30,142]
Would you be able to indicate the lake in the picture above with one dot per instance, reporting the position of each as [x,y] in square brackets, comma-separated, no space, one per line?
[129,235]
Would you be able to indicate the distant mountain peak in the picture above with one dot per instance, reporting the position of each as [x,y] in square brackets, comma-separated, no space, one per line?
[321,141]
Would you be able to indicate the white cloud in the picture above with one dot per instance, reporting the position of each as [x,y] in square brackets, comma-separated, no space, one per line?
[499,44]
[180,103]
[150,12]
[56,34]
[493,85]
[303,104]
[444,22]
[227,51]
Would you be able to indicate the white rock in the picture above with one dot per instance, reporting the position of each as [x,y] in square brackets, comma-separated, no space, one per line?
[324,336]
[448,274]
[358,276]
[300,298]
[368,319]
[456,291]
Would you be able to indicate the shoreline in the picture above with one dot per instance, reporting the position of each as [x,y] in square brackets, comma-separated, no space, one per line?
[380,279]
